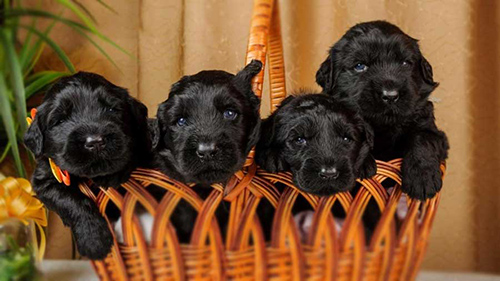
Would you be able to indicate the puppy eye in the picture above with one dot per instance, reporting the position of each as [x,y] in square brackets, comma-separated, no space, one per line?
[406,63]
[181,121]
[300,141]
[229,114]
[346,139]
[360,67]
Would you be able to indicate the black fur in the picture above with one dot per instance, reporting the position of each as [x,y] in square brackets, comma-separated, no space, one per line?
[311,132]
[202,100]
[75,109]
[377,56]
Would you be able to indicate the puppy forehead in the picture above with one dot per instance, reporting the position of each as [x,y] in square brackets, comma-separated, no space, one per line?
[202,97]
[382,44]
[85,97]
[319,115]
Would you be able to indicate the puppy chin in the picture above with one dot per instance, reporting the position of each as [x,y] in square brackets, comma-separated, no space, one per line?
[91,166]
[322,187]
[211,176]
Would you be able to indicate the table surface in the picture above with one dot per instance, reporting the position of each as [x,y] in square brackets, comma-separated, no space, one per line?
[66,270]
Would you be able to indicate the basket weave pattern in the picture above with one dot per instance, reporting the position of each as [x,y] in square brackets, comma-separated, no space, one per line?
[393,253]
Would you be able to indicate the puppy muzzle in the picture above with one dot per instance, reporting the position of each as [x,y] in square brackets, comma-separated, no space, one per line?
[324,178]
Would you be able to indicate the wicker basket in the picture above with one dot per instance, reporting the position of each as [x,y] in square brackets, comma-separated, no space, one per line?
[394,252]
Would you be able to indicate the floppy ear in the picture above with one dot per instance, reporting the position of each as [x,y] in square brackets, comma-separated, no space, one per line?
[33,138]
[324,75]
[154,132]
[244,77]
[366,166]
[253,138]
[139,114]
[268,151]
[160,127]
[427,76]
[243,82]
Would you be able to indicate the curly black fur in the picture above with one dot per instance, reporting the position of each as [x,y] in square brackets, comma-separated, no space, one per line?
[207,126]
[324,143]
[94,130]
[203,133]
[381,69]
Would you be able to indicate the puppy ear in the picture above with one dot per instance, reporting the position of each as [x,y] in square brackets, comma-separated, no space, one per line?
[246,74]
[324,75]
[366,166]
[154,132]
[138,110]
[157,126]
[254,135]
[268,151]
[427,76]
[33,138]
[139,116]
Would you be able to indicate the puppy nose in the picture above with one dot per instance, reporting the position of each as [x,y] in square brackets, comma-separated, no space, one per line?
[390,96]
[206,150]
[94,143]
[328,173]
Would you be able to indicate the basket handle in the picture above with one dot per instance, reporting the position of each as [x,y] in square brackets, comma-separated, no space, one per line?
[265,31]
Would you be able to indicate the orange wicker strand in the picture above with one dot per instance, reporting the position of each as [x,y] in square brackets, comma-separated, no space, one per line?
[328,252]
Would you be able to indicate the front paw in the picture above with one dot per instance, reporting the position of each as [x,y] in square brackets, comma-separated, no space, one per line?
[421,180]
[93,238]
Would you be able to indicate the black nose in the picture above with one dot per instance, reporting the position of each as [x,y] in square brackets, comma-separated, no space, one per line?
[206,150]
[94,143]
[390,96]
[328,173]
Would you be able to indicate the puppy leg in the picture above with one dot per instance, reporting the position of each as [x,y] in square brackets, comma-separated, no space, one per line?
[93,238]
[421,164]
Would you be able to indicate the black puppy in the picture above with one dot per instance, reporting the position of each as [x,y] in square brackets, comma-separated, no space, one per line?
[204,131]
[207,126]
[325,144]
[93,130]
[381,69]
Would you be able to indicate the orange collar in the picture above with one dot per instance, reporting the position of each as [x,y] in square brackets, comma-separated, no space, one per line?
[61,176]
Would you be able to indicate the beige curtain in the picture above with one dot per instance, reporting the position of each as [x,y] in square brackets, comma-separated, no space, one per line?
[460,38]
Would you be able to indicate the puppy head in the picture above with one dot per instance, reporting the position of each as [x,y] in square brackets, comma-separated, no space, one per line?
[89,126]
[209,123]
[322,142]
[380,68]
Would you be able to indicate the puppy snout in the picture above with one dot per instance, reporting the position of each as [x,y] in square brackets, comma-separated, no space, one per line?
[390,96]
[206,150]
[328,173]
[94,143]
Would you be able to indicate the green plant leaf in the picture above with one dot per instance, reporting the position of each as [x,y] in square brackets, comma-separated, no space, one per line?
[42,79]
[10,127]
[36,51]
[107,7]
[85,10]
[17,82]
[70,23]
[98,47]
[5,152]
[88,22]
[60,53]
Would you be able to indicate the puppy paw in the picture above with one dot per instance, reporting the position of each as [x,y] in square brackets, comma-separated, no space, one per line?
[93,238]
[421,180]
